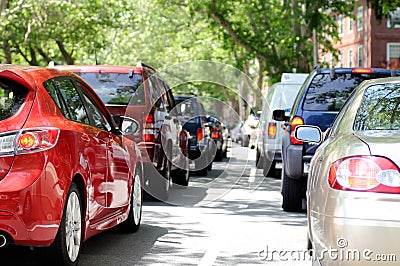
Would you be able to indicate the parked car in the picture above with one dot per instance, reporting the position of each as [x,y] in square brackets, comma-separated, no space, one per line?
[235,132]
[141,94]
[67,172]
[194,120]
[317,103]
[248,131]
[219,135]
[354,180]
[281,95]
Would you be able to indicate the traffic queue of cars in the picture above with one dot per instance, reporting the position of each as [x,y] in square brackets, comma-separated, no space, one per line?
[340,162]
[78,146]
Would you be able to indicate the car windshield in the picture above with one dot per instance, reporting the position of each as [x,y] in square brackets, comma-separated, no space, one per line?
[12,95]
[326,94]
[116,88]
[379,109]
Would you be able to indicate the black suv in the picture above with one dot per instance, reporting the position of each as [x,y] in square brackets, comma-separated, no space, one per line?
[318,102]
[194,120]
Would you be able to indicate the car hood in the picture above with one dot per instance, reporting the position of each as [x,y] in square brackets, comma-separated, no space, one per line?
[384,143]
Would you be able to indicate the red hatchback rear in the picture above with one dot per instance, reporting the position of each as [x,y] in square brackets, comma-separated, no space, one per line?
[66,171]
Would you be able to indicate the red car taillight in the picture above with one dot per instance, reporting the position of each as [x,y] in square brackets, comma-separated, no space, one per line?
[365,173]
[148,129]
[214,133]
[296,121]
[200,134]
[29,140]
[271,130]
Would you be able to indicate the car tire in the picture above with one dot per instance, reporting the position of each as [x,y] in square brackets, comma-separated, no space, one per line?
[292,192]
[68,241]
[201,165]
[245,141]
[165,183]
[259,160]
[269,168]
[181,176]
[218,155]
[132,223]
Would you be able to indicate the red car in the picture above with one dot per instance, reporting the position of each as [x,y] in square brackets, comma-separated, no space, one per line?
[66,171]
[139,93]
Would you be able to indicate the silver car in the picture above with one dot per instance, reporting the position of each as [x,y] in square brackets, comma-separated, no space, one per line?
[353,191]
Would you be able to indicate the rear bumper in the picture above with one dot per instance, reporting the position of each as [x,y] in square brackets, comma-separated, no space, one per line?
[31,210]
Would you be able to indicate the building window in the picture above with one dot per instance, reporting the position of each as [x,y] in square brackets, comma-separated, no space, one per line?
[360,56]
[360,18]
[340,58]
[350,58]
[393,55]
[350,23]
[340,24]
[394,19]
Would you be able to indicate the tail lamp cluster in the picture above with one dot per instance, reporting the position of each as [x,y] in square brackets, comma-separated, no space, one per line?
[296,121]
[148,129]
[272,130]
[215,134]
[28,141]
[365,173]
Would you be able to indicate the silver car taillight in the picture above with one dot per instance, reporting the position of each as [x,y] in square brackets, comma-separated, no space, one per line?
[29,141]
[365,173]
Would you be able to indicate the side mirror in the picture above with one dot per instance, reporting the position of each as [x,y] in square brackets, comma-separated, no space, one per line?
[279,115]
[308,133]
[128,125]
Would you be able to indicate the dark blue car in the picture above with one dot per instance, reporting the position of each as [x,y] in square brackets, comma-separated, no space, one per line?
[194,120]
[318,102]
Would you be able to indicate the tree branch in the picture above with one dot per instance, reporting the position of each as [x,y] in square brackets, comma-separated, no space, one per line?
[219,18]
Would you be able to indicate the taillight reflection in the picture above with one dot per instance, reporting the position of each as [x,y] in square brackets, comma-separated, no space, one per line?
[365,173]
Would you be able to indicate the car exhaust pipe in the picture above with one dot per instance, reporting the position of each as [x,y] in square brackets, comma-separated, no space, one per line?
[3,240]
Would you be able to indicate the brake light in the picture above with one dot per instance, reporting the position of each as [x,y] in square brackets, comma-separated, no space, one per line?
[365,173]
[362,71]
[214,133]
[296,121]
[200,134]
[148,129]
[28,141]
[35,140]
[271,130]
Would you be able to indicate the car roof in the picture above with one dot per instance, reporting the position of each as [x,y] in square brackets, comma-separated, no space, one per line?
[359,70]
[100,68]
[29,76]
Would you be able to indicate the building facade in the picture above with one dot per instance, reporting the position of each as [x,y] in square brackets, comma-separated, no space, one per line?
[366,42]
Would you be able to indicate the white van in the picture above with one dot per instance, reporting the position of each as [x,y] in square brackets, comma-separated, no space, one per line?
[280,95]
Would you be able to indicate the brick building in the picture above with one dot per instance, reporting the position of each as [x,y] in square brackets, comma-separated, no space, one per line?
[365,42]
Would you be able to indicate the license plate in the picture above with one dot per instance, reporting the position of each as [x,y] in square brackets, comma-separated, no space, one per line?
[306,168]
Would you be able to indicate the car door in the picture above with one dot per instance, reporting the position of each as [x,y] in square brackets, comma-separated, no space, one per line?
[91,151]
[172,122]
[116,186]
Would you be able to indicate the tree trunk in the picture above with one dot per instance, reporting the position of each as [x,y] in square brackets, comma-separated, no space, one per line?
[67,56]
[7,52]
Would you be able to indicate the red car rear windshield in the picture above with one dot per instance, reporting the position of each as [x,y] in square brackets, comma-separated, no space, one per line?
[12,95]
[116,88]
[326,94]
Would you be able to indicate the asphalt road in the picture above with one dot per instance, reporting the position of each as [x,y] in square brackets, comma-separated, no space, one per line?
[231,217]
